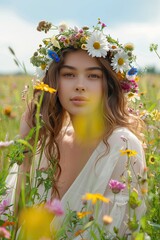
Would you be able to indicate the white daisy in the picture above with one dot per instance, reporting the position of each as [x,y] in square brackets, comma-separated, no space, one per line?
[120,62]
[113,47]
[39,73]
[133,97]
[97,45]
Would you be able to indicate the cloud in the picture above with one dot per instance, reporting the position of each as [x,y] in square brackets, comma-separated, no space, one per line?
[24,39]
[21,36]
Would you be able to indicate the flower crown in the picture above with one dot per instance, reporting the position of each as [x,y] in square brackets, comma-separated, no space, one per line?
[96,43]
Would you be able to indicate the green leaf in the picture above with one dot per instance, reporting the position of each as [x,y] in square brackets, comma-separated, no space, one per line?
[11,50]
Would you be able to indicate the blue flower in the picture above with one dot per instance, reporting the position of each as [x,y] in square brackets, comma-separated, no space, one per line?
[53,55]
[132,71]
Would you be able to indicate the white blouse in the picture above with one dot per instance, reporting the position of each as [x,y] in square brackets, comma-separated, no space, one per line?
[100,168]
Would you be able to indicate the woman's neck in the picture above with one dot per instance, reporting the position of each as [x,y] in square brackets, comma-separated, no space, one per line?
[88,128]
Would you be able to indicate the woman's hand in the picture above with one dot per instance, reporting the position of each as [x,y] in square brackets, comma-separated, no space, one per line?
[25,123]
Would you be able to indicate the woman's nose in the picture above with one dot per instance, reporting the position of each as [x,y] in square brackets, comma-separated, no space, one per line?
[80,89]
[80,84]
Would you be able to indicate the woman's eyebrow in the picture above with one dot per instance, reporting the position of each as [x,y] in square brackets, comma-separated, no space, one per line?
[87,69]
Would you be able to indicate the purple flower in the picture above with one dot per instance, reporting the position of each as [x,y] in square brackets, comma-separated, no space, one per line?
[55,207]
[103,25]
[3,206]
[53,55]
[116,186]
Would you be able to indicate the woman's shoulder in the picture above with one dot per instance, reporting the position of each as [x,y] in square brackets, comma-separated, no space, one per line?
[123,132]
[123,136]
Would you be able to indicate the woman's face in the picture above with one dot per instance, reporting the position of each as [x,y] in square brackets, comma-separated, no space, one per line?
[80,83]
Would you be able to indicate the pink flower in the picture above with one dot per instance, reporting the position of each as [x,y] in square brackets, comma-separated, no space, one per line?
[4,233]
[55,207]
[116,186]
[4,205]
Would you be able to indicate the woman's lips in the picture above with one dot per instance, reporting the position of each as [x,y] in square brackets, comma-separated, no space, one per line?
[79,100]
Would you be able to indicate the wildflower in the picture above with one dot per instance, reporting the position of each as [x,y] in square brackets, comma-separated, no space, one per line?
[107,219]
[130,153]
[116,186]
[7,111]
[5,224]
[53,55]
[4,205]
[124,138]
[94,197]
[151,159]
[44,87]
[120,62]
[4,233]
[79,232]
[97,45]
[129,46]
[83,214]
[133,71]
[62,27]
[55,207]
[133,96]
[6,144]
[144,191]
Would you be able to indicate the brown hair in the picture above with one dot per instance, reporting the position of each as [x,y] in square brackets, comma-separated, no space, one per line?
[115,111]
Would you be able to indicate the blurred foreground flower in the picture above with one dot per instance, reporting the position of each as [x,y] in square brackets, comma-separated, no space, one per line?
[35,223]
[55,207]
[3,206]
[7,110]
[116,186]
[4,233]
[107,219]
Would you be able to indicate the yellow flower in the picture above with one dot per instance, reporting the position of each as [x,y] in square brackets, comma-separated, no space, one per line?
[130,153]
[44,87]
[129,46]
[151,159]
[83,214]
[35,222]
[155,114]
[94,197]
[107,219]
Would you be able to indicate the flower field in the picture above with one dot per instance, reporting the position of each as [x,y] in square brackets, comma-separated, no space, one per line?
[12,105]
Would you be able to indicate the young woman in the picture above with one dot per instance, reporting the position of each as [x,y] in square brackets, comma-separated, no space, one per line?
[88,131]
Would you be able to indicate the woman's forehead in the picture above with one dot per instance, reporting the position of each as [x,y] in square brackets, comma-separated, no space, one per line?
[79,59]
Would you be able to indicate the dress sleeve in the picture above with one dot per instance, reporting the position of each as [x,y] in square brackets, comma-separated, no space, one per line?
[134,168]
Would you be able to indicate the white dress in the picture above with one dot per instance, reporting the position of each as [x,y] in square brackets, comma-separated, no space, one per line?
[100,168]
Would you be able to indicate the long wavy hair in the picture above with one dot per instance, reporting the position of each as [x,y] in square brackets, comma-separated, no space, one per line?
[115,111]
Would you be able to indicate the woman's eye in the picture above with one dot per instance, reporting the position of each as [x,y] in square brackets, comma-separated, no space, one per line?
[93,76]
[69,75]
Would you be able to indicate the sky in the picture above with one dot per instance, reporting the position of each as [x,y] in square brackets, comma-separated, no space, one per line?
[136,21]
